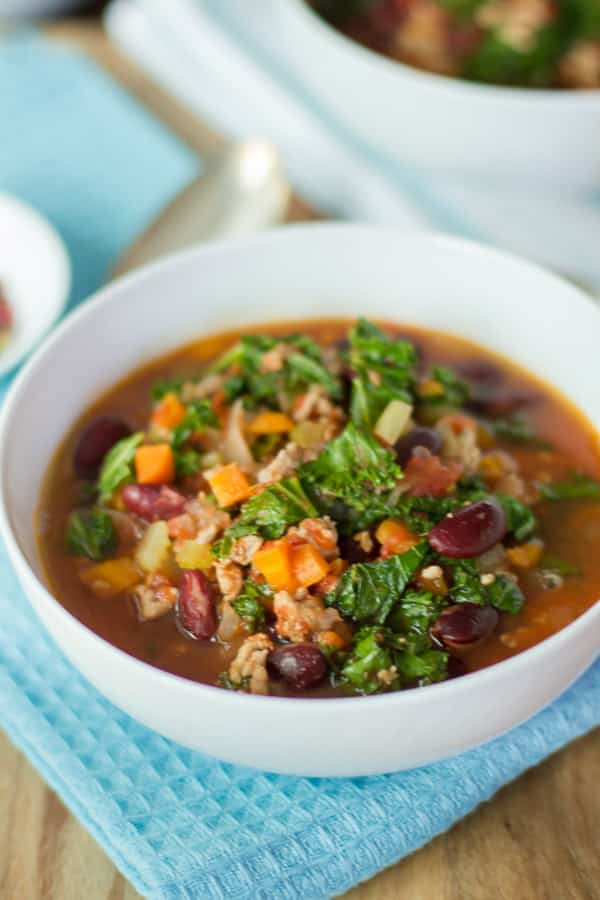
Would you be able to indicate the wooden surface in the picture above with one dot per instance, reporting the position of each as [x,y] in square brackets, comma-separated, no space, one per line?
[537,840]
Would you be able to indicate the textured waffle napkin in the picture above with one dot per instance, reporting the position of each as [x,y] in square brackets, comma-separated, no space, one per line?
[178,824]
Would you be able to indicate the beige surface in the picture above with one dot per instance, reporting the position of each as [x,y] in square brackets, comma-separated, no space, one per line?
[537,840]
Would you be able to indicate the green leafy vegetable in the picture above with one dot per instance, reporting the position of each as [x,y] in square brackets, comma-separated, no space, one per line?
[367,657]
[503,593]
[520,519]
[91,533]
[249,603]
[453,393]
[199,416]
[384,370]
[516,429]
[379,660]
[299,370]
[187,461]
[415,613]
[269,514]
[165,386]
[367,592]
[349,478]
[117,466]
[578,487]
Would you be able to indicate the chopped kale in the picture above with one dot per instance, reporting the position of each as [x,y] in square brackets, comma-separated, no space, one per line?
[551,563]
[249,603]
[380,660]
[91,533]
[165,386]
[199,416]
[117,466]
[503,593]
[415,613]
[367,592]
[351,478]
[520,518]
[384,370]
[299,370]
[516,429]
[269,514]
[578,487]
[453,392]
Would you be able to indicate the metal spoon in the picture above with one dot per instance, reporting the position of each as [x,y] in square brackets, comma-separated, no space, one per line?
[244,189]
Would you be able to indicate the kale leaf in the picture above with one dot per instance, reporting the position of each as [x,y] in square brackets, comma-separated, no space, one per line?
[300,370]
[377,650]
[520,519]
[91,533]
[269,514]
[384,370]
[551,563]
[117,466]
[199,416]
[578,487]
[249,603]
[367,592]
[503,593]
[415,613]
[165,386]
[452,392]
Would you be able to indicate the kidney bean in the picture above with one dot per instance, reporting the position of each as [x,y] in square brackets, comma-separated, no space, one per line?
[301,666]
[196,606]
[500,403]
[352,552]
[470,531]
[418,437]
[150,502]
[94,443]
[481,372]
[464,626]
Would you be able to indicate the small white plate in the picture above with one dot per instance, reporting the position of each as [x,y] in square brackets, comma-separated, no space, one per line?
[35,275]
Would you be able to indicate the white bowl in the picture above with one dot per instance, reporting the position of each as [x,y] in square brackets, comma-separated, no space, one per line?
[431,121]
[35,273]
[502,302]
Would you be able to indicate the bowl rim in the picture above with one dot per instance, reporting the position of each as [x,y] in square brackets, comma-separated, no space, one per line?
[490,92]
[111,293]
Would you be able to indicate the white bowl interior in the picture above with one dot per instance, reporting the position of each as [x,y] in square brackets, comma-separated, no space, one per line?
[300,272]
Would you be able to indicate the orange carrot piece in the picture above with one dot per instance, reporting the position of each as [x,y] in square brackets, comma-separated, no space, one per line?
[155,464]
[271,423]
[274,562]
[308,565]
[169,413]
[331,639]
[525,556]
[229,485]
[394,537]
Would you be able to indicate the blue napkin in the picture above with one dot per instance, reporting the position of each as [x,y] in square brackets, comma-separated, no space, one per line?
[178,824]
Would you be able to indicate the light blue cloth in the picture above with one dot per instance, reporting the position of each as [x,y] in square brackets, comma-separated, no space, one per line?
[178,824]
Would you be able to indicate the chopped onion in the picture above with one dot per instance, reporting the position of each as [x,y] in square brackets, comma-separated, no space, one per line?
[235,447]
[393,421]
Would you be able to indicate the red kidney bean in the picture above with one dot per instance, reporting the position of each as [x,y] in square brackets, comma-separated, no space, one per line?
[196,606]
[481,372]
[352,552]
[464,626]
[418,437]
[301,666]
[500,403]
[94,443]
[150,502]
[469,531]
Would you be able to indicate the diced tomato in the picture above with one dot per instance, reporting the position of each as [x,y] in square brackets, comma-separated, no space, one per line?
[426,475]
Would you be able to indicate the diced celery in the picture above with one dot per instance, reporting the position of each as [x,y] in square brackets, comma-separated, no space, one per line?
[153,553]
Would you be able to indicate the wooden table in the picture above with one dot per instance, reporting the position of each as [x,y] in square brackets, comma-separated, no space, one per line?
[537,840]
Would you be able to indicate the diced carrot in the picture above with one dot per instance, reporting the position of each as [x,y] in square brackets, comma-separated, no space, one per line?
[154,464]
[459,423]
[308,565]
[271,423]
[274,561]
[394,537]
[169,413]
[229,485]
[331,639]
[525,556]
